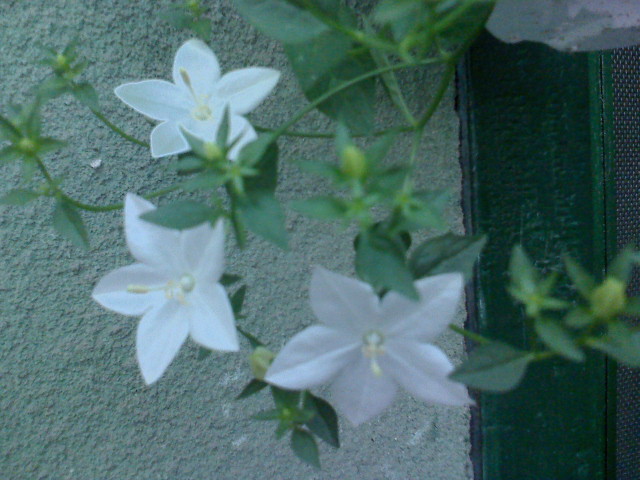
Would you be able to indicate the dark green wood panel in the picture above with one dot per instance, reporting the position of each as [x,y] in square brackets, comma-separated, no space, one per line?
[534,176]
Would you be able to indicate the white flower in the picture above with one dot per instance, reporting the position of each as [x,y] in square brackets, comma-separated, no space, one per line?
[174,286]
[366,347]
[197,98]
[568,24]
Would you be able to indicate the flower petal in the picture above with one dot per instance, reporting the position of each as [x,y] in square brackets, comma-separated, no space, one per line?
[422,369]
[343,303]
[158,99]
[201,65]
[426,319]
[360,394]
[161,333]
[150,244]
[166,140]
[111,291]
[211,318]
[246,88]
[203,250]
[311,358]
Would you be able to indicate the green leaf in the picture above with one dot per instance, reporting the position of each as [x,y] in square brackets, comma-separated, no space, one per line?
[524,276]
[187,164]
[428,212]
[253,387]
[558,339]
[9,154]
[237,299]
[581,279]
[622,265]
[621,342]
[87,95]
[68,223]
[255,343]
[48,145]
[18,196]
[267,166]
[447,253]
[267,415]
[8,130]
[222,136]
[632,307]
[380,261]
[208,180]
[180,215]
[304,446]
[202,27]
[262,214]
[579,317]
[494,366]
[229,279]
[204,353]
[324,208]
[285,398]
[459,31]
[281,20]
[322,169]
[380,148]
[324,422]
[53,87]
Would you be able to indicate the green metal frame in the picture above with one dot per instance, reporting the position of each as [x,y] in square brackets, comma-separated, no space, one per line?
[537,127]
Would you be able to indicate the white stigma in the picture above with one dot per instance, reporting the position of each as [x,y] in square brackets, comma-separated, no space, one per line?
[201,111]
[373,346]
[172,290]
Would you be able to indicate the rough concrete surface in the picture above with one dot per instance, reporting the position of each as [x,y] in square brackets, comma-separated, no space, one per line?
[72,402]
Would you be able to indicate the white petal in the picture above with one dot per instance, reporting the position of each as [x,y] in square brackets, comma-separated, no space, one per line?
[203,250]
[161,333]
[426,319]
[201,65]
[311,358]
[211,318]
[244,89]
[422,370]
[166,140]
[568,24]
[343,303]
[360,394]
[150,244]
[111,291]
[157,99]
[245,136]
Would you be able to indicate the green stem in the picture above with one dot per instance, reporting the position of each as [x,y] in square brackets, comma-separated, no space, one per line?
[443,86]
[85,206]
[118,130]
[323,135]
[476,337]
[354,81]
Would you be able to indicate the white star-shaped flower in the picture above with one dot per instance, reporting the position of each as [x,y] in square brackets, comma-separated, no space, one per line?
[574,25]
[367,347]
[174,286]
[197,99]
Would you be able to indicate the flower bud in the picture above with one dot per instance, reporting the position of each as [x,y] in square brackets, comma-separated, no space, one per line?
[212,151]
[354,163]
[260,361]
[61,63]
[609,298]
[27,146]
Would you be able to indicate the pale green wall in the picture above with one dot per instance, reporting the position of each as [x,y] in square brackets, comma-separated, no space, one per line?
[72,402]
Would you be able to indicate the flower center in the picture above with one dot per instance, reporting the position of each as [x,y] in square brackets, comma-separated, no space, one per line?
[173,290]
[201,111]
[372,347]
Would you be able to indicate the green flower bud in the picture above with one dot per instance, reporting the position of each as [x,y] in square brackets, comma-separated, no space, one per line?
[260,361]
[27,146]
[354,163]
[609,298]
[61,63]
[212,151]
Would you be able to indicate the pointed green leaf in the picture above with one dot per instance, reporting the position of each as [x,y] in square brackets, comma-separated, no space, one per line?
[222,135]
[255,343]
[267,415]
[523,274]
[204,181]
[581,279]
[322,169]
[579,317]
[229,279]
[203,353]
[304,446]
[623,263]
[447,253]
[87,95]
[380,261]
[53,87]
[621,342]
[267,166]
[18,196]
[380,148]
[8,130]
[9,154]
[558,339]
[253,387]
[48,145]
[237,299]
[262,214]
[323,208]
[494,367]
[324,422]
[285,398]
[180,215]
[68,223]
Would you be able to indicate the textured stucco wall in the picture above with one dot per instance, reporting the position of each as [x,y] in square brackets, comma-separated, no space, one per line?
[72,402]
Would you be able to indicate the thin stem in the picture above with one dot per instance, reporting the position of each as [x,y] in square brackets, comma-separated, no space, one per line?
[354,81]
[118,130]
[323,135]
[443,86]
[85,206]
[476,337]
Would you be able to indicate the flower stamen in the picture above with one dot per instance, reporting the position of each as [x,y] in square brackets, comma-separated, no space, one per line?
[373,346]
[172,290]
[202,111]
